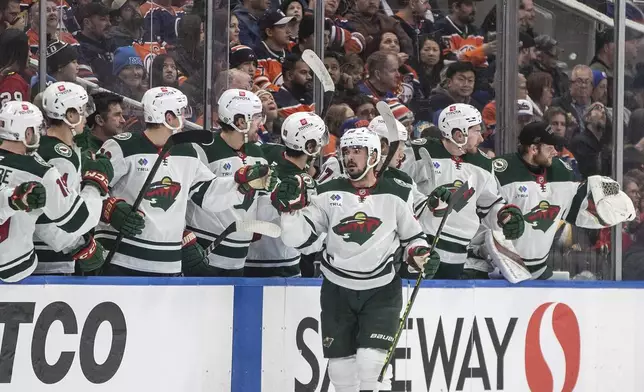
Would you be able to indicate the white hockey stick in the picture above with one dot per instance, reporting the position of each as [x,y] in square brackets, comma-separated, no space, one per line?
[317,66]
[248,226]
[392,131]
[429,165]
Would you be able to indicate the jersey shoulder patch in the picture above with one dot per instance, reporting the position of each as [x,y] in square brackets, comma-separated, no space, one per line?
[479,160]
[433,146]
[123,136]
[399,175]
[133,144]
[560,171]
[32,164]
[52,148]
[500,165]
[63,149]
[393,186]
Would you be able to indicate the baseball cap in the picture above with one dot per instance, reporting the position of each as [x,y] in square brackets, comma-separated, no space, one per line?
[524,108]
[547,44]
[539,133]
[117,4]
[273,18]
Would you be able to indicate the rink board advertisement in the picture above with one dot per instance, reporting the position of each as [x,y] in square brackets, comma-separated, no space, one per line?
[115,338]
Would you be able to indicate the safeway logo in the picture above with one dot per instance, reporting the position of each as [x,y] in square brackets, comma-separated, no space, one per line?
[566,330]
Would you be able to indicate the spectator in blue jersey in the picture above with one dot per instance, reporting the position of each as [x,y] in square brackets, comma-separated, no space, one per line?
[127,22]
[96,49]
[412,19]
[296,93]
[383,78]
[460,78]
[248,13]
[160,21]
[129,73]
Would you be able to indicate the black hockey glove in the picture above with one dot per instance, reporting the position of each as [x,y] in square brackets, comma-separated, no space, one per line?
[510,219]
[28,196]
[420,258]
[119,214]
[439,194]
[97,171]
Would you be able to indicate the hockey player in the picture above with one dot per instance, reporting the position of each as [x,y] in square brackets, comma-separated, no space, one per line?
[240,115]
[543,187]
[38,190]
[460,126]
[156,250]
[303,135]
[66,105]
[365,220]
[332,168]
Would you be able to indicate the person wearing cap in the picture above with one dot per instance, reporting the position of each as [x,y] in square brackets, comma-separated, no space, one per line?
[62,65]
[525,113]
[592,146]
[272,50]
[160,20]
[127,22]
[305,38]
[547,52]
[248,13]
[14,47]
[243,58]
[296,93]
[129,72]
[600,87]
[95,49]
[527,53]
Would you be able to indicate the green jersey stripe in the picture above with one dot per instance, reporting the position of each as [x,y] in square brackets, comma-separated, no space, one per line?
[143,253]
[22,263]
[447,246]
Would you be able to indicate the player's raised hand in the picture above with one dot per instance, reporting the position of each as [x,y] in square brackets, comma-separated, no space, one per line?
[420,258]
[119,214]
[439,194]
[510,219]
[28,196]
[256,177]
[97,171]
[290,195]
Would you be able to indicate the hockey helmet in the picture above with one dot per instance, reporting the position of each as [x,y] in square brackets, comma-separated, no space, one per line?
[16,117]
[301,128]
[362,137]
[236,102]
[458,116]
[158,101]
[60,97]
[378,126]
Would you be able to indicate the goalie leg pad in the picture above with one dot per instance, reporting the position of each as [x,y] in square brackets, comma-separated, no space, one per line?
[343,373]
[370,361]
[504,256]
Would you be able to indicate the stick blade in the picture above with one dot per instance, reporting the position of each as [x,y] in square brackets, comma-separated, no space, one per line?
[429,165]
[390,121]
[260,227]
[317,66]
[199,136]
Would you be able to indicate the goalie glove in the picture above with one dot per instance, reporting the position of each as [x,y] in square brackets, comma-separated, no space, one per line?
[611,205]
[510,219]
[28,196]
[420,258]
[291,194]
[89,256]
[97,171]
[436,196]
[257,177]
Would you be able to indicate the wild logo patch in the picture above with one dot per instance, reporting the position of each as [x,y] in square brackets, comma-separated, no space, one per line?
[162,194]
[453,187]
[357,228]
[542,216]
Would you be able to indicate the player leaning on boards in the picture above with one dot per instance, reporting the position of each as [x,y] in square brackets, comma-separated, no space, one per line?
[303,136]
[543,187]
[366,219]
[240,115]
[66,106]
[155,249]
[38,189]
[460,125]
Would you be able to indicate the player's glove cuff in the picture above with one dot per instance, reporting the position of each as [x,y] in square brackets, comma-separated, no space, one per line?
[97,179]
[109,206]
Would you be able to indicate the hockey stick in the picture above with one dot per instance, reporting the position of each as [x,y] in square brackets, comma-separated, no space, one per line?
[427,159]
[250,226]
[177,138]
[455,198]
[392,131]
[317,66]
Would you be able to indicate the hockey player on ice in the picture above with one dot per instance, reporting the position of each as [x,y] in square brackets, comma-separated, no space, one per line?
[240,115]
[543,187]
[331,168]
[460,126]
[365,220]
[66,106]
[157,248]
[32,189]
[303,136]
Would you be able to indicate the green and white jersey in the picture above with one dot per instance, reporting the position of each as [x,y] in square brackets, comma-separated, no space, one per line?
[180,177]
[270,257]
[544,198]
[54,245]
[65,207]
[364,229]
[223,161]
[481,201]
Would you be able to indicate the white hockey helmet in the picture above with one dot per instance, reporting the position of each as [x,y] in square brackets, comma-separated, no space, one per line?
[362,137]
[378,126]
[16,117]
[158,101]
[60,97]
[458,116]
[235,102]
[300,128]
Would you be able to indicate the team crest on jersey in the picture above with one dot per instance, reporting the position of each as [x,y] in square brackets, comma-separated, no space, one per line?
[453,187]
[39,159]
[63,149]
[357,228]
[123,136]
[402,183]
[566,164]
[542,216]
[419,142]
[499,165]
[162,194]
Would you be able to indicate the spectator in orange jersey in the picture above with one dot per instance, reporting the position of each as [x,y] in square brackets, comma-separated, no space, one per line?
[15,51]
[296,94]
[271,52]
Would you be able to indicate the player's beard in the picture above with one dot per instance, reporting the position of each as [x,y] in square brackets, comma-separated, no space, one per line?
[542,160]
[354,167]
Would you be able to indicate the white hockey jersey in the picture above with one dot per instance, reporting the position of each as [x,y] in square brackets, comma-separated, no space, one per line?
[364,229]
[181,176]
[65,207]
[54,245]
[481,201]
[223,161]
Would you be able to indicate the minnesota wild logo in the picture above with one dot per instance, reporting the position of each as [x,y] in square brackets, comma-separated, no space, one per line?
[542,216]
[453,187]
[163,193]
[357,228]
